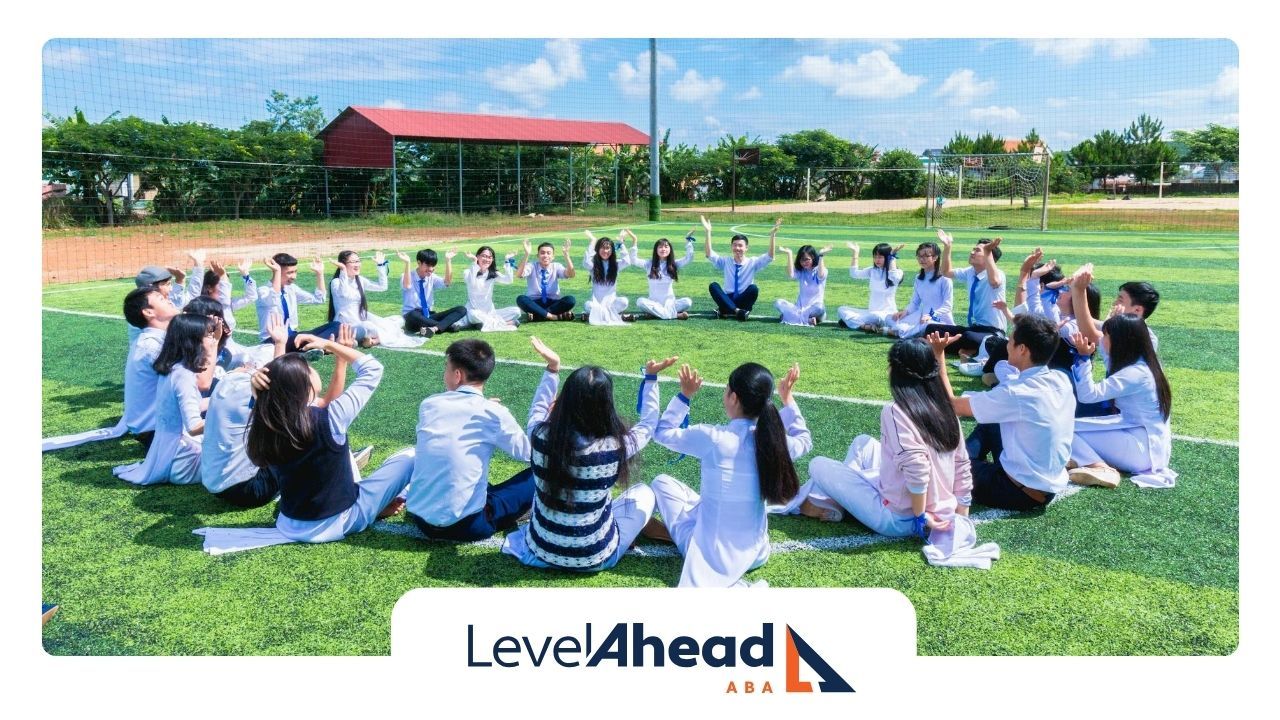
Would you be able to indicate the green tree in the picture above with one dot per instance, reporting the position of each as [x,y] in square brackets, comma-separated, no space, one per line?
[93,158]
[900,174]
[988,144]
[1147,148]
[1214,146]
[959,144]
[820,149]
[301,114]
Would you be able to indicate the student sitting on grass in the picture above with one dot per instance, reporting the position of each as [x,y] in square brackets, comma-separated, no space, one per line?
[543,300]
[1138,440]
[917,476]
[189,352]
[150,311]
[985,283]
[302,441]
[883,276]
[281,296]
[580,450]
[724,532]
[213,283]
[1025,423]
[739,293]
[603,262]
[810,272]
[480,279]
[664,272]
[458,431]
[418,290]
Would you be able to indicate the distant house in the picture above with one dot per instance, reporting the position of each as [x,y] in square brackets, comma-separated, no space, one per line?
[1037,152]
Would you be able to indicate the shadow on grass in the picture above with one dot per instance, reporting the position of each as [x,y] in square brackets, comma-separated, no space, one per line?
[102,395]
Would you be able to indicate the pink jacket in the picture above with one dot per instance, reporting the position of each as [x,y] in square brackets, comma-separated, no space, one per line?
[909,464]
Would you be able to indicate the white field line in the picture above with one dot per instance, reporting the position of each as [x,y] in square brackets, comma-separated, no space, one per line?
[632,375]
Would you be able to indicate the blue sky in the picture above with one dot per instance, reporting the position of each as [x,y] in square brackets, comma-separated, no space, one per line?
[912,93]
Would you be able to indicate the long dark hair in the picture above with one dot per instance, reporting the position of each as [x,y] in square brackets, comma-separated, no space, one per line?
[1131,342]
[672,271]
[884,250]
[915,381]
[209,284]
[583,414]
[493,266]
[812,253]
[364,303]
[184,343]
[211,308]
[937,257]
[753,384]
[280,427]
[604,275]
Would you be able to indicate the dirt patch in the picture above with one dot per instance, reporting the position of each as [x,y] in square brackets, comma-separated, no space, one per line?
[866,207]
[105,253]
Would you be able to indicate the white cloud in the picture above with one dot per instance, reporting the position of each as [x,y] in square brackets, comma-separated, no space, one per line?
[962,87]
[633,80]
[447,100]
[531,83]
[872,75]
[1054,102]
[888,45]
[63,58]
[693,88]
[1228,83]
[491,109]
[994,112]
[751,94]
[1075,50]
[392,104]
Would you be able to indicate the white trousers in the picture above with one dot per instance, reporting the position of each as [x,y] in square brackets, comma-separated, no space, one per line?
[607,311]
[854,485]
[1121,448]
[665,310]
[856,317]
[793,314]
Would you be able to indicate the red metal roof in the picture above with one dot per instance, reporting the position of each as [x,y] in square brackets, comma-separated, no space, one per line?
[441,126]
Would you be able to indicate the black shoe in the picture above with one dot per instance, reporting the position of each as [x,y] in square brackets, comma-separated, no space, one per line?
[426,332]
[741,315]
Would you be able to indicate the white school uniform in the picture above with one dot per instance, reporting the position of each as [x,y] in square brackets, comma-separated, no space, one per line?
[1138,439]
[346,309]
[662,302]
[534,279]
[224,461]
[269,302]
[377,490]
[930,303]
[738,278]
[140,379]
[810,303]
[981,296]
[606,306]
[195,283]
[884,300]
[1036,413]
[480,307]
[409,300]
[458,430]
[724,532]
[174,456]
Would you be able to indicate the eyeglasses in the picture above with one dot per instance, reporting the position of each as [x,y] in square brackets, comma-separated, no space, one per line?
[923,255]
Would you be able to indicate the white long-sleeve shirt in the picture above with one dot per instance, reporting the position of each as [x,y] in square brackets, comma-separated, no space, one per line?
[738,278]
[224,461]
[269,302]
[346,294]
[458,432]
[933,297]
[140,381]
[480,287]
[602,291]
[883,299]
[662,287]
[1133,389]
[731,531]
[1036,413]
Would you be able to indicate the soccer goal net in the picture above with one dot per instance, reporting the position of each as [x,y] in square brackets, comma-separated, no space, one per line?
[1008,190]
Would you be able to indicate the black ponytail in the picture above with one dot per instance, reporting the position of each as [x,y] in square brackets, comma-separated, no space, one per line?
[753,385]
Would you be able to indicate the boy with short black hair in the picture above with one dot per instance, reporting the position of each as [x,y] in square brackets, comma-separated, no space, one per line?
[738,294]
[450,497]
[282,297]
[543,300]
[1025,423]
[418,292]
[149,310]
[986,285]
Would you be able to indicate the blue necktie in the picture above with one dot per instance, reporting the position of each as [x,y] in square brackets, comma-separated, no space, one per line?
[284,304]
[422,295]
[973,288]
[544,285]
[736,268]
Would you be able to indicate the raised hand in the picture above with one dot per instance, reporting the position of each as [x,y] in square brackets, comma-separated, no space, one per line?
[939,342]
[553,359]
[1030,262]
[245,266]
[346,335]
[276,329]
[1000,305]
[824,251]
[307,341]
[945,238]
[451,254]
[217,268]
[379,257]
[261,380]
[898,248]
[568,246]
[787,383]
[404,257]
[653,367]
[590,236]
[1083,345]
[853,246]
[469,256]
[988,248]
[690,381]
[271,264]
[528,247]
[197,257]
[317,266]
[1044,269]
[706,224]
[178,275]
[1083,275]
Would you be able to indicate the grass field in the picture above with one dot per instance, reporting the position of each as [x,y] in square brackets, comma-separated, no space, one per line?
[1127,572]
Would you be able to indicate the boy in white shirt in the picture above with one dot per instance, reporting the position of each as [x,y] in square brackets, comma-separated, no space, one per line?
[418,294]
[1026,422]
[450,497]
[149,310]
[985,283]
[738,294]
[282,298]
[544,301]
